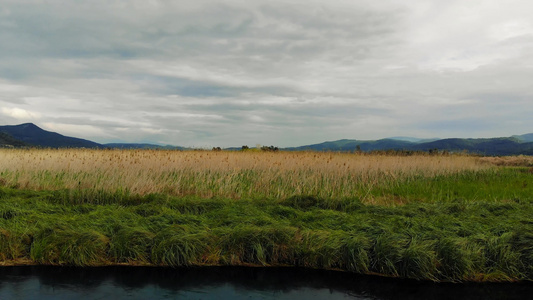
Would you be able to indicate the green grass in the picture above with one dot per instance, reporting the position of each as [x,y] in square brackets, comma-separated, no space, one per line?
[494,184]
[461,227]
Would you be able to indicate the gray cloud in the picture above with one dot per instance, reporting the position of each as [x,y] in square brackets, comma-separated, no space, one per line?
[206,73]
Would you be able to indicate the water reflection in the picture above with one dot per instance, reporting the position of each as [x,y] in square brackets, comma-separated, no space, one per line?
[41,282]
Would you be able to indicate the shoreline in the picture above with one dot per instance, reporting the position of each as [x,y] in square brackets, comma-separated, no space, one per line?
[29,263]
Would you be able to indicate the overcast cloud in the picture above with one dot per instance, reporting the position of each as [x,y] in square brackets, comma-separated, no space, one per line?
[285,73]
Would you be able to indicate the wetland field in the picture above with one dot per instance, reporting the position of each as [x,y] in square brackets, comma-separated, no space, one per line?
[450,217]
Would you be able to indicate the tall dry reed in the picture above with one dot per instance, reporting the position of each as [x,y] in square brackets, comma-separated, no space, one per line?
[233,175]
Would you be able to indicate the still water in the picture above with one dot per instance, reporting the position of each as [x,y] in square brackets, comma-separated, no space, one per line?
[41,282]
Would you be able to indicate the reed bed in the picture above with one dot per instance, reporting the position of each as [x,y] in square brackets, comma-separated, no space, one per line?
[426,217]
[235,175]
[514,161]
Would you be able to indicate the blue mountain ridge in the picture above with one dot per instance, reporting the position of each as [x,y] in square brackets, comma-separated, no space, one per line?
[29,134]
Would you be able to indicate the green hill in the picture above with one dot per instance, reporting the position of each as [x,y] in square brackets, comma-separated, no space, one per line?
[8,141]
[492,146]
[353,145]
[525,138]
[31,134]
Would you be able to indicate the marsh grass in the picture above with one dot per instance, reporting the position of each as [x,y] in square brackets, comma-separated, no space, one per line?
[13,245]
[129,244]
[69,246]
[111,176]
[355,252]
[258,245]
[386,253]
[178,246]
[418,260]
[522,242]
[455,241]
[453,218]
[454,259]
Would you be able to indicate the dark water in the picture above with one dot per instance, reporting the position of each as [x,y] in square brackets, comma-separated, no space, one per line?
[40,282]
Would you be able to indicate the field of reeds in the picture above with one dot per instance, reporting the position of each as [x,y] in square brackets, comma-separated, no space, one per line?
[431,217]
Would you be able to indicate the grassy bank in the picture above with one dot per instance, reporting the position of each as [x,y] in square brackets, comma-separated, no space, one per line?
[452,218]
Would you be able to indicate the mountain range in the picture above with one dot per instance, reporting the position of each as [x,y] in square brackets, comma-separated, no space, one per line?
[515,145]
[30,135]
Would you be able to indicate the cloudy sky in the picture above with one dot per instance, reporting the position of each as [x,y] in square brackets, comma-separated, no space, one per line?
[285,73]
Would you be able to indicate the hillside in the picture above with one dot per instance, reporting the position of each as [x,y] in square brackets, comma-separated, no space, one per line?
[492,146]
[524,137]
[7,140]
[31,134]
[352,145]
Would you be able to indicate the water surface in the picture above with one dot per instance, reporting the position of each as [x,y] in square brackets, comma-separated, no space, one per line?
[44,282]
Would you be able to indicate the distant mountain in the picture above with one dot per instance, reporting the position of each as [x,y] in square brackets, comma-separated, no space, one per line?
[352,145]
[493,146]
[524,137]
[340,145]
[141,146]
[30,133]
